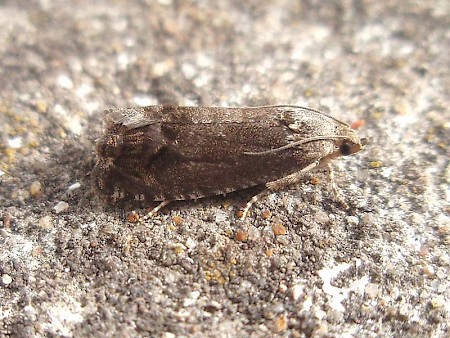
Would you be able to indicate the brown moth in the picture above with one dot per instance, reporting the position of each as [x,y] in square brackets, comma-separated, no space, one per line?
[166,153]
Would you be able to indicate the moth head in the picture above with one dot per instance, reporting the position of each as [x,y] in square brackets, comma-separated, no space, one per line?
[348,143]
[346,148]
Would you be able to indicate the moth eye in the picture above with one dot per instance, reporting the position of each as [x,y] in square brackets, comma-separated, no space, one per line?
[345,149]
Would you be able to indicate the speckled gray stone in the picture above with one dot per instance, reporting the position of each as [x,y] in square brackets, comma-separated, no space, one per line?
[379,268]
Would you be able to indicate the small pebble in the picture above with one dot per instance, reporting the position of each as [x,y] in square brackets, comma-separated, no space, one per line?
[168,335]
[357,124]
[266,214]
[74,186]
[321,217]
[6,219]
[190,243]
[179,248]
[191,299]
[41,106]
[6,279]
[269,252]
[315,180]
[278,229]
[368,220]
[15,142]
[375,164]
[60,207]
[133,217]
[428,270]
[241,236]
[320,314]
[35,188]
[64,81]
[45,222]
[296,291]
[438,302]
[353,220]
[221,216]
[240,214]
[253,232]
[371,290]
[280,324]
[177,220]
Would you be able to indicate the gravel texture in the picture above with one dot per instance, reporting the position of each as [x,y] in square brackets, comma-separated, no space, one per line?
[300,265]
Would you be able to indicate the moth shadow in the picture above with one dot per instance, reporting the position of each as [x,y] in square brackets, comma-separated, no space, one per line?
[58,173]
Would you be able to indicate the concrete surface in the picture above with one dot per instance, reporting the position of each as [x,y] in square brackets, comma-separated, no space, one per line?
[300,266]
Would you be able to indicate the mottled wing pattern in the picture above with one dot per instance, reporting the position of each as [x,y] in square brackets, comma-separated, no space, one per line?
[178,153]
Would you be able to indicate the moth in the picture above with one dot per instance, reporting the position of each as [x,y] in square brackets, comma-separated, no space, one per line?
[167,153]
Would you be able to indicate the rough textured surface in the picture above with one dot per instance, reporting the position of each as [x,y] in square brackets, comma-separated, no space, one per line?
[300,265]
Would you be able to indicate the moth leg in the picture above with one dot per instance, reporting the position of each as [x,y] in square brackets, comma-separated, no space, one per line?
[155,210]
[277,185]
[290,179]
[334,189]
[253,200]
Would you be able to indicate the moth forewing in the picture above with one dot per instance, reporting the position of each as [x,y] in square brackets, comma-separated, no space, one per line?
[177,153]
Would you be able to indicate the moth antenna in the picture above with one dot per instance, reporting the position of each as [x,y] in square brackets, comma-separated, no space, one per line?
[294,144]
